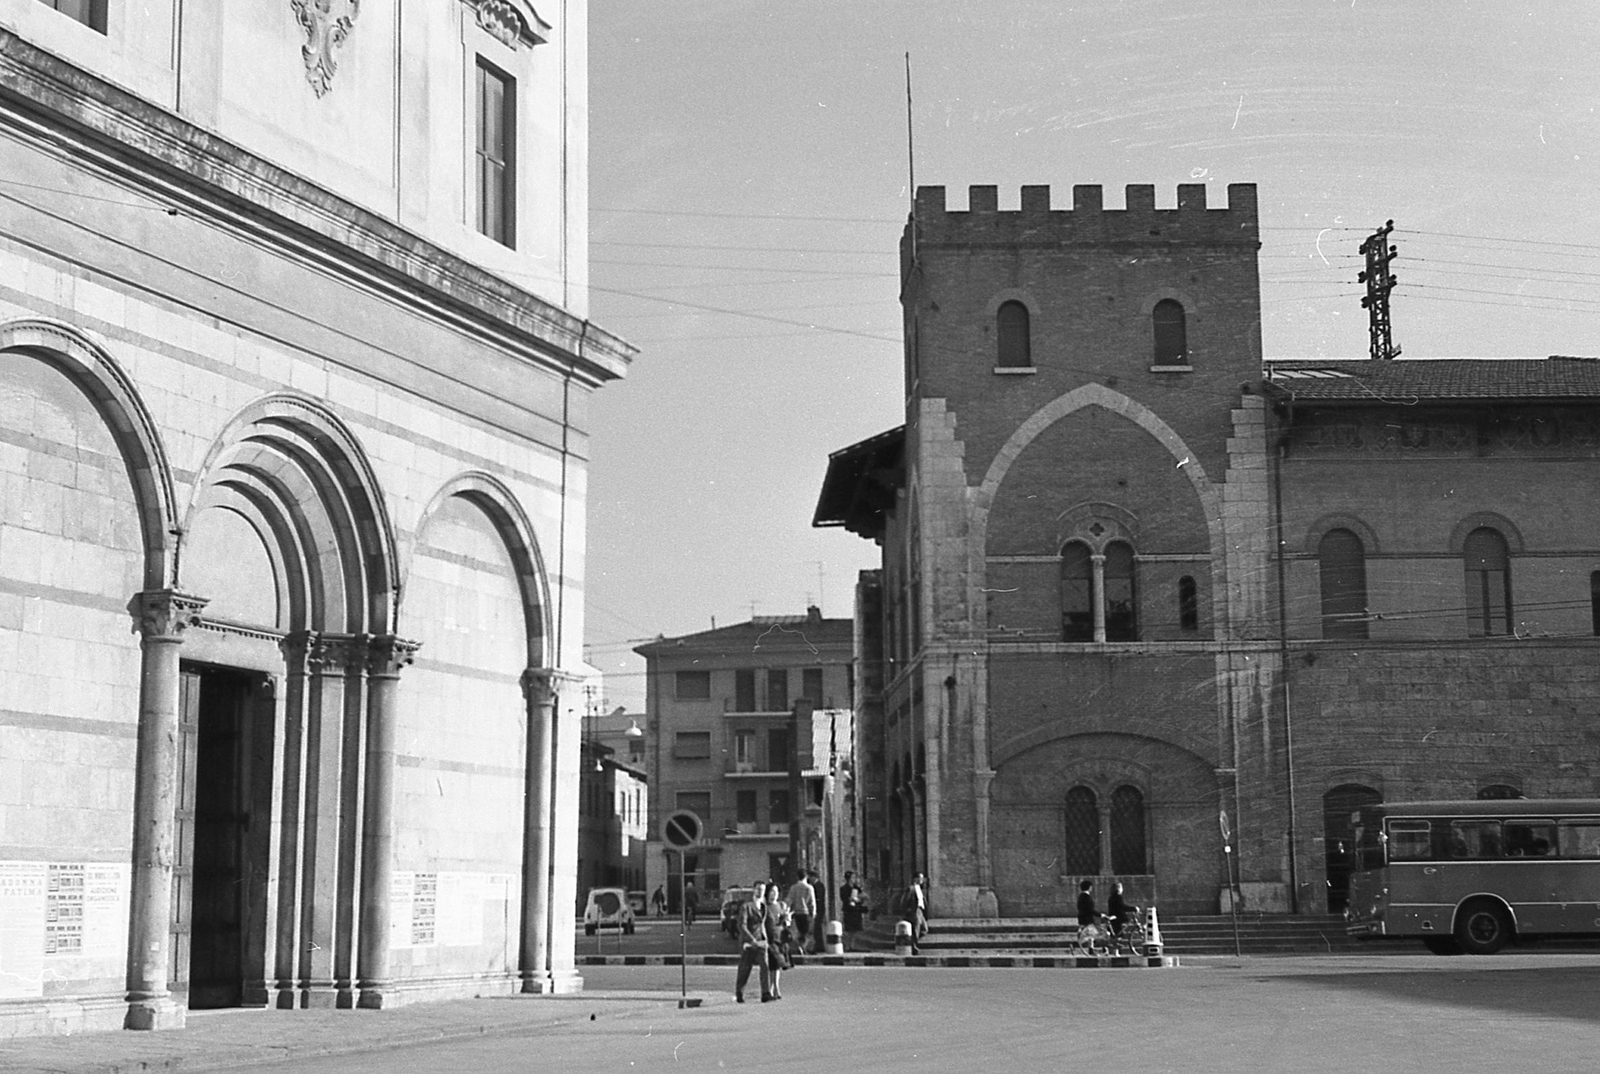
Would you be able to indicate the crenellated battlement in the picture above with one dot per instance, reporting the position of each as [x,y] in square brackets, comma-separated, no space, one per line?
[1088,221]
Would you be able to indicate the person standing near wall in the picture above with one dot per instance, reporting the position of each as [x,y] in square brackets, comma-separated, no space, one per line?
[916,911]
[852,907]
[803,905]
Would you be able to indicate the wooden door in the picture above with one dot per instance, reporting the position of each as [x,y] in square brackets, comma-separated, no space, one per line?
[183,835]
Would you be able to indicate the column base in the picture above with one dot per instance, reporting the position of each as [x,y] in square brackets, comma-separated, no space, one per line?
[565,982]
[156,1012]
[321,997]
[535,984]
[374,996]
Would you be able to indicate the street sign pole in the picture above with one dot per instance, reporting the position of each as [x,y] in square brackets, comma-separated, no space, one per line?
[681,831]
[1233,879]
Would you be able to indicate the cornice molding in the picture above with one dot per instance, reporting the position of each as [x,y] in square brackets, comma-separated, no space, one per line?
[78,115]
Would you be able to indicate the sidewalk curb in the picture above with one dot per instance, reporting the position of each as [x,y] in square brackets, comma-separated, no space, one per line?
[952,961]
[232,1057]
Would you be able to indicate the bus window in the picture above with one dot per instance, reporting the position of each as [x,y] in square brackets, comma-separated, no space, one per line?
[1580,838]
[1410,840]
[1530,839]
[1475,839]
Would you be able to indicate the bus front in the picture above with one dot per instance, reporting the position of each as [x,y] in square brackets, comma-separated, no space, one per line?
[1366,911]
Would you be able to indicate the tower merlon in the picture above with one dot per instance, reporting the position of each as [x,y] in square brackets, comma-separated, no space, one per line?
[1088,220]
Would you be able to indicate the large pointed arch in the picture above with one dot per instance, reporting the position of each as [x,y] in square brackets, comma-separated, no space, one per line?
[102,379]
[1061,407]
[300,473]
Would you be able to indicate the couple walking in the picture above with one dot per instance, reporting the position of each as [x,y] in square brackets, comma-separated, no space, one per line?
[765,931]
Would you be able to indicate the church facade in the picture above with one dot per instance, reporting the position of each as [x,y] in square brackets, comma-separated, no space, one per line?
[294,362]
[1155,610]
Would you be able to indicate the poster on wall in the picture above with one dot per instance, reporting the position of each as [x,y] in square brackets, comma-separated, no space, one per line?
[23,902]
[400,887]
[424,908]
[63,909]
[107,888]
[459,910]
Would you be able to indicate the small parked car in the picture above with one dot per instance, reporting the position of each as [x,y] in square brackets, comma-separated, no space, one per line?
[639,901]
[732,899]
[607,909]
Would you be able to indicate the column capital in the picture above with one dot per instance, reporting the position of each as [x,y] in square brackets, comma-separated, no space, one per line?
[337,652]
[388,654]
[164,614]
[541,684]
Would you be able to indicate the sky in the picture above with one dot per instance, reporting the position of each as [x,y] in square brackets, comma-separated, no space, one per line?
[750,178]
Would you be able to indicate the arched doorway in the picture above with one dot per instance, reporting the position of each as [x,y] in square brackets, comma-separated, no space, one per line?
[1337,806]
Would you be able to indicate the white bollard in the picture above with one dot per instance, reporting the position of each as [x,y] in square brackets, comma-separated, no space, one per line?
[1152,933]
[902,938]
[833,939]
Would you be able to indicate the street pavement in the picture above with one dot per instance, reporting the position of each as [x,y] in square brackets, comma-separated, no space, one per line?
[1509,1014]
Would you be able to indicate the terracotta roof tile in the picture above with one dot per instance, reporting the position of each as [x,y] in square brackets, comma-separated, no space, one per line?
[1407,380]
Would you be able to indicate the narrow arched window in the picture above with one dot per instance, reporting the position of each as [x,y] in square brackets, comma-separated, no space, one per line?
[1343,565]
[1122,620]
[1188,604]
[1077,593]
[1082,833]
[1012,332]
[1127,832]
[1487,565]
[1172,337]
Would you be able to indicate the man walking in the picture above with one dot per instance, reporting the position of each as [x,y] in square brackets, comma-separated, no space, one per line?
[752,934]
[803,907]
[916,911]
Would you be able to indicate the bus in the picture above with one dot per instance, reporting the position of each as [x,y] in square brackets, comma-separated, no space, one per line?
[1474,876]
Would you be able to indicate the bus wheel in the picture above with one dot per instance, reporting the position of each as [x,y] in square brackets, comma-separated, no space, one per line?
[1442,945]
[1483,928]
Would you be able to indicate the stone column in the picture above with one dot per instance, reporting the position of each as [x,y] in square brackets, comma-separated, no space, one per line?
[386,656]
[161,617]
[538,687]
[1097,594]
[332,659]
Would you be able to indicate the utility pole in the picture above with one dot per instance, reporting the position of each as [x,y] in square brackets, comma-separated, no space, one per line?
[799,713]
[1379,283]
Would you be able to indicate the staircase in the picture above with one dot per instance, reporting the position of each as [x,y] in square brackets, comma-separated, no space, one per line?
[1259,934]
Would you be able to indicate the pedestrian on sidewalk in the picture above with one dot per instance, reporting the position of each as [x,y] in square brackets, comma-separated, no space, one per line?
[853,907]
[659,901]
[803,905]
[691,902]
[752,932]
[916,911]
[780,925]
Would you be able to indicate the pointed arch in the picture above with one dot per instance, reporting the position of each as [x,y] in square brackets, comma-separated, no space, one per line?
[92,368]
[1061,407]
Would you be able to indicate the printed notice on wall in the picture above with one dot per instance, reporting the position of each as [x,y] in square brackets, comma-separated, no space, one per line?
[107,889]
[400,885]
[22,928]
[460,909]
[63,909]
[424,908]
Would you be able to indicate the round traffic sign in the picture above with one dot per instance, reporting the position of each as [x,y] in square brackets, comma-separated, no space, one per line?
[681,830]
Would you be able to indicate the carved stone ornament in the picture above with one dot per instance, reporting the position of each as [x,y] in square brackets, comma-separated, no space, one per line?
[164,613]
[387,654]
[337,652]
[500,19]
[325,32]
